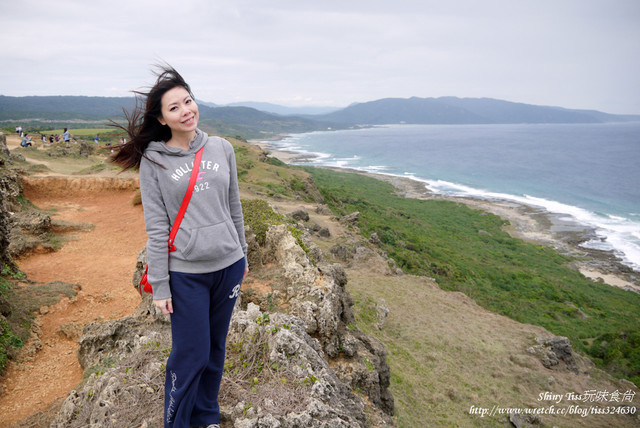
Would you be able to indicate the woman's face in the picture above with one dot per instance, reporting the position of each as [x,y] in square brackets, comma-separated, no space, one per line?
[179,111]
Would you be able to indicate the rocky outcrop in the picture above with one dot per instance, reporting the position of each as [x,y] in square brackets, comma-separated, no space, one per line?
[4,150]
[350,218]
[555,353]
[77,149]
[30,232]
[318,296]
[293,369]
[5,258]
[10,189]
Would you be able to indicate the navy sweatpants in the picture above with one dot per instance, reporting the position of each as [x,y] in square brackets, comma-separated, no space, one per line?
[202,307]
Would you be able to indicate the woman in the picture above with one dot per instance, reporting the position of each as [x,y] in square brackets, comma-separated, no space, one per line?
[199,282]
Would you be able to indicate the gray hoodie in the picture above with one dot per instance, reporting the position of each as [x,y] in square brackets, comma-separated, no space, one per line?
[211,235]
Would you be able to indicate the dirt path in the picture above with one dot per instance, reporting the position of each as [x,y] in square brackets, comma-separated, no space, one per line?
[102,261]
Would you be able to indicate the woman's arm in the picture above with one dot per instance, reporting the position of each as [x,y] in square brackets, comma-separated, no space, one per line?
[157,226]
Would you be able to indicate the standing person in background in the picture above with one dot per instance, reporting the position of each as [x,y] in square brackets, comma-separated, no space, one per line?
[199,282]
[65,135]
[96,139]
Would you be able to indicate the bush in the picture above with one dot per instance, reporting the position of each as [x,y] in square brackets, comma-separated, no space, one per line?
[259,216]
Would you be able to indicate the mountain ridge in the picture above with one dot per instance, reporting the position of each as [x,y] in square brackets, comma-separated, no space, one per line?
[414,110]
[459,111]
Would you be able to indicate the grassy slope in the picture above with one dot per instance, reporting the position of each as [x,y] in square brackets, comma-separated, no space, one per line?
[467,250]
[447,354]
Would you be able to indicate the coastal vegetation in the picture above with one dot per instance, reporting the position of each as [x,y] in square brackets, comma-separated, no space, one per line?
[467,250]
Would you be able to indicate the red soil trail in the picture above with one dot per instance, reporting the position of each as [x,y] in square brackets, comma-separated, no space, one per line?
[102,261]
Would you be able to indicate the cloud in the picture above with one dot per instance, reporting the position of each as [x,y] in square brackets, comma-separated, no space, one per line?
[574,53]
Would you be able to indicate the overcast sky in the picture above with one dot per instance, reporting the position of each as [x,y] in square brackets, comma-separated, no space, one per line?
[571,53]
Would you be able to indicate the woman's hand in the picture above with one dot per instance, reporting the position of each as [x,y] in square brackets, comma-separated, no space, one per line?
[165,305]
[246,271]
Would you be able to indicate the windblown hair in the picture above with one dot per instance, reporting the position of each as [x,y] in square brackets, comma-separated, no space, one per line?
[142,124]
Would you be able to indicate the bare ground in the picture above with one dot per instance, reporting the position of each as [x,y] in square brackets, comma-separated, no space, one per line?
[101,261]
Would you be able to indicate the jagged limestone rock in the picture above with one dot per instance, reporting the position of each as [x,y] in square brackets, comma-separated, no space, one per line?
[318,296]
[4,150]
[311,344]
[10,190]
[329,401]
[254,253]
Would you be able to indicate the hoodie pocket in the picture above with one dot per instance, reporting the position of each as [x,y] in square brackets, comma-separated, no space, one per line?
[211,242]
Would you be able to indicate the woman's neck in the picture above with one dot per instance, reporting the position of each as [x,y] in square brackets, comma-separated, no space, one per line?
[181,140]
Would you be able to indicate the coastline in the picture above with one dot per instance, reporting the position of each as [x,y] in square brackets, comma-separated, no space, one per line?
[533,224]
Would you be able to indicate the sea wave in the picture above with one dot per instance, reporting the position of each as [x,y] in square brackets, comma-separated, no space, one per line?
[621,235]
[613,233]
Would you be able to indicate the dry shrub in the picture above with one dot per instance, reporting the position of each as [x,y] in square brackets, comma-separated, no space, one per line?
[251,378]
[139,397]
[137,198]
[41,418]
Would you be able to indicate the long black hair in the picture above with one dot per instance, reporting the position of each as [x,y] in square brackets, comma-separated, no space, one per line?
[142,124]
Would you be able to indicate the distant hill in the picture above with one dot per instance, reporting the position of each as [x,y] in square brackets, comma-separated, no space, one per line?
[62,107]
[284,110]
[253,122]
[243,121]
[452,110]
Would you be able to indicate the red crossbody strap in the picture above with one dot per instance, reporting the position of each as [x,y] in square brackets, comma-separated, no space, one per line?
[187,198]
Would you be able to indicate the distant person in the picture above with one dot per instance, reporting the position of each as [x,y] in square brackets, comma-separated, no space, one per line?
[17,130]
[43,138]
[65,135]
[26,141]
[51,139]
[197,284]
[57,138]
[97,139]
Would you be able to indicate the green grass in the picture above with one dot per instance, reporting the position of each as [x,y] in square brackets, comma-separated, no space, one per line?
[467,250]
[269,176]
[259,216]
[15,329]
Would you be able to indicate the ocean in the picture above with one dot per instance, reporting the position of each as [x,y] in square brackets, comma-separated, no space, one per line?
[586,173]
